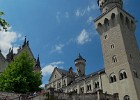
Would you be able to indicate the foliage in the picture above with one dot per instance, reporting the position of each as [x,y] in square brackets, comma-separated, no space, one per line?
[19,76]
[3,23]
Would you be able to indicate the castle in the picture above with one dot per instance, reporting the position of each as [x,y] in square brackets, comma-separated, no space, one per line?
[121,73]
[4,61]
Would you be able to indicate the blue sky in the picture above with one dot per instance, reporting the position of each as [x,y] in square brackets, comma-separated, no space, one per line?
[58,30]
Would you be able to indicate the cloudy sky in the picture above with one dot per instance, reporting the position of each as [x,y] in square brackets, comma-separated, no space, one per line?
[58,30]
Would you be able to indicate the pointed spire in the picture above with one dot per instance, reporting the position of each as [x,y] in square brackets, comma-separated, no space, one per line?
[25,42]
[12,50]
[38,61]
[10,55]
[80,58]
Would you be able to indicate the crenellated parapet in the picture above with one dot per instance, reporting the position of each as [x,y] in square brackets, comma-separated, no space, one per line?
[114,17]
[105,5]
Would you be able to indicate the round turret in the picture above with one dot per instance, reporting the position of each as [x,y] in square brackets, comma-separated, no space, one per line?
[106,5]
[80,63]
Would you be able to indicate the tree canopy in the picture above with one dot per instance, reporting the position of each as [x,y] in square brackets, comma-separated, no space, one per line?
[19,76]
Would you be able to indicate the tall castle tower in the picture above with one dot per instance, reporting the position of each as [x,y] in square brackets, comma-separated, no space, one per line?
[116,28]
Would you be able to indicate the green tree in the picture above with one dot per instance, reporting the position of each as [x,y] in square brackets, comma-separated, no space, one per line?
[3,23]
[19,76]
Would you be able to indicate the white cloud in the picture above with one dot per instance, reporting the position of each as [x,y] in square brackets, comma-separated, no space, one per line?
[83,37]
[48,69]
[57,63]
[58,48]
[82,12]
[7,39]
[42,86]
[88,9]
[77,13]
[94,6]
[90,19]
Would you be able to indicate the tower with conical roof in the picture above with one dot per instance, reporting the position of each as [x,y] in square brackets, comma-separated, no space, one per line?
[116,28]
[80,63]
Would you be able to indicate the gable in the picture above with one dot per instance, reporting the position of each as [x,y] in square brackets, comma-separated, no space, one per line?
[28,50]
[55,76]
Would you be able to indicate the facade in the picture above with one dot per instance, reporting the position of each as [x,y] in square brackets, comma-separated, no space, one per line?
[4,61]
[121,73]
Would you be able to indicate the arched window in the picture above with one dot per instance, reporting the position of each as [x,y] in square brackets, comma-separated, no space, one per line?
[112,46]
[112,78]
[89,87]
[126,97]
[127,22]
[114,59]
[105,35]
[122,18]
[113,19]
[100,27]
[122,74]
[96,84]
[106,24]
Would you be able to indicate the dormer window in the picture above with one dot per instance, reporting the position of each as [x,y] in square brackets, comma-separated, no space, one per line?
[54,76]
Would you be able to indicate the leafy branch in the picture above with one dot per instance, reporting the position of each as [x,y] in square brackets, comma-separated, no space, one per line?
[3,23]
